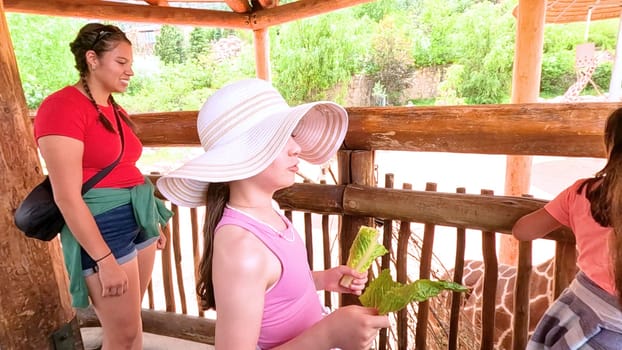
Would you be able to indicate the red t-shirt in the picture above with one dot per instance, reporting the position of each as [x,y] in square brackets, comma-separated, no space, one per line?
[68,112]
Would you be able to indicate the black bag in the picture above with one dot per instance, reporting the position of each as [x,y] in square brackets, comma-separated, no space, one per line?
[38,215]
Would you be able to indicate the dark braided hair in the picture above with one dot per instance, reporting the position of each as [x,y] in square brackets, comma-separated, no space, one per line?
[99,38]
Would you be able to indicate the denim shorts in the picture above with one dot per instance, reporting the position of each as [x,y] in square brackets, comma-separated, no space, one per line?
[121,232]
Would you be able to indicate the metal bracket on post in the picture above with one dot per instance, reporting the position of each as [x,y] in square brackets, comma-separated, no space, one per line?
[68,336]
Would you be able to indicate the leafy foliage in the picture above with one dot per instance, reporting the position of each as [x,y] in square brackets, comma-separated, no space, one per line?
[314,55]
[315,58]
[377,10]
[487,61]
[169,45]
[43,56]
[557,72]
[390,62]
[201,39]
[387,295]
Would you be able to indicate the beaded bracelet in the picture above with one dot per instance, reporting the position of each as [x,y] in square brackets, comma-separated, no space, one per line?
[103,257]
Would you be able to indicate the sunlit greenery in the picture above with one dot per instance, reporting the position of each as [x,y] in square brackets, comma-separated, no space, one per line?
[471,41]
[44,60]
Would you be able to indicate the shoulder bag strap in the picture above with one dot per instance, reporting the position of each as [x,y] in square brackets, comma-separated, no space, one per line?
[100,175]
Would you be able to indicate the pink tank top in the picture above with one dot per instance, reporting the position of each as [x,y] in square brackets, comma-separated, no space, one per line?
[292,304]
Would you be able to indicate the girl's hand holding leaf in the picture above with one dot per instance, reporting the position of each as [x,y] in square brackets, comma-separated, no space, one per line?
[364,250]
[329,280]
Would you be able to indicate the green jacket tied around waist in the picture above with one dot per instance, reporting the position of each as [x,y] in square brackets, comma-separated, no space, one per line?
[150,213]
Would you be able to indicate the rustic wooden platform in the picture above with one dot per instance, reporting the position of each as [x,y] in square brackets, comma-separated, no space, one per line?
[91,337]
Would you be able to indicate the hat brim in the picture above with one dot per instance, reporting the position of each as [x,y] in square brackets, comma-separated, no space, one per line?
[320,128]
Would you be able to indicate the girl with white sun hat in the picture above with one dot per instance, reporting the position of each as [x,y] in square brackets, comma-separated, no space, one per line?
[254,265]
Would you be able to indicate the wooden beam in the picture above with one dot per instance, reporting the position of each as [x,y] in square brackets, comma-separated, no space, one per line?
[170,324]
[268,4]
[478,212]
[239,6]
[34,293]
[550,129]
[571,129]
[615,84]
[157,2]
[298,10]
[262,54]
[115,11]
[525,89]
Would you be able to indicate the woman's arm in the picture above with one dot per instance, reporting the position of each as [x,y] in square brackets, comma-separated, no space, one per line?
[534,225]
[63,159]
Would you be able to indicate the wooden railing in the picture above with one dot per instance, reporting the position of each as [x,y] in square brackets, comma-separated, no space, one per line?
[485,213]
[528,129]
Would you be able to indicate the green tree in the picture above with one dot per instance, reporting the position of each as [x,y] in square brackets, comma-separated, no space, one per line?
[390,62]
[432,33]
[169,45]
[314,55]
[199,41]
[44,59]
[486,52]
[377,10]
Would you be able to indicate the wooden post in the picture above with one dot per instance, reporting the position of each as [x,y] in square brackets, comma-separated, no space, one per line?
[615,85]
[355,167]
[525,89]
[34,293]
[262,53]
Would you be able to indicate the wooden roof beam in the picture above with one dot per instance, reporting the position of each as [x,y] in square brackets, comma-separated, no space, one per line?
[115,11]
[267,4]
[265,18]
[157,2]
[239,6]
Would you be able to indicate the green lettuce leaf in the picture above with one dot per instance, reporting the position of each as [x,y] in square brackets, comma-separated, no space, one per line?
[386,295]
[364,250]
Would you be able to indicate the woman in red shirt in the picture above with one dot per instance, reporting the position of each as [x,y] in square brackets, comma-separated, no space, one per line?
[111,232]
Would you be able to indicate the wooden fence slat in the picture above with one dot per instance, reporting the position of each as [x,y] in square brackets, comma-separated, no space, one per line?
[387,241]
[425,264]
[456,297]
[520,321]
[177,256]
[167,280]
[401,267]
[565,266]
[326,251]
[308,235]
[491,274]
[150,295]
[196,256]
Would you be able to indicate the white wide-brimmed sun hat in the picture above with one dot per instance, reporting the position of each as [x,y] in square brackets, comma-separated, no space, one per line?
[242,128]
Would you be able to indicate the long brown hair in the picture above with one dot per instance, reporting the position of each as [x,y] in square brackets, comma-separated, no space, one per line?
[216,198]
[99,38]
[604,191]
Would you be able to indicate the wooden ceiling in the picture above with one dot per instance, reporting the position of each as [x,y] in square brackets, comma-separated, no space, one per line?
[260,14]
[567,11]
[244,14]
